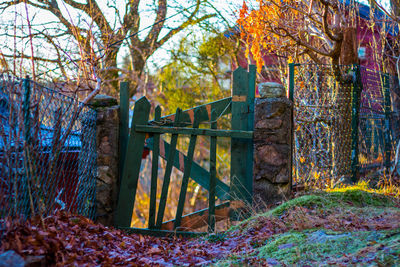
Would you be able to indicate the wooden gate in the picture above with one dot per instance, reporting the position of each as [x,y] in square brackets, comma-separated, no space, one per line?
[145,133]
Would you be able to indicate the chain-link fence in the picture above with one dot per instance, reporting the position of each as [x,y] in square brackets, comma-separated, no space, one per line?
[345,121]
[47,151]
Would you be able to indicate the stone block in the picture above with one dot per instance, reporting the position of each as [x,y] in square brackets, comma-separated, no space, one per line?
[104,174]
[272,154]
[271,89]
[103,101]
[273,123]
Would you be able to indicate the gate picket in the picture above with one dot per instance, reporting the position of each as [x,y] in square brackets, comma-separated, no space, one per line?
[154,172]
[168,170]
[213,174]
[132,164]
[186,172]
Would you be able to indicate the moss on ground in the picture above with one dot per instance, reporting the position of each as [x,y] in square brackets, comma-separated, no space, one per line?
[346,198]
[322,247]
[319,246]
[327,200]
[325,248]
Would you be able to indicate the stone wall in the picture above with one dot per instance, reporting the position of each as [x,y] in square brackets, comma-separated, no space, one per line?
[107,157]
[272,146]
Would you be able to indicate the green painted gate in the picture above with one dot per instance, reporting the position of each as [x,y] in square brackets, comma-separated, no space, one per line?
[145,132]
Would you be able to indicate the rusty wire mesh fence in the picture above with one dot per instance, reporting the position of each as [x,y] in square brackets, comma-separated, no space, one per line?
[345,123]
[47,151]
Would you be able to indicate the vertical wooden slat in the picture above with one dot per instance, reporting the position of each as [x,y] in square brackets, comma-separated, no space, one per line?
[154,172]
[124,123]
[186,172]
[168,170]
[213,175]
[133,159]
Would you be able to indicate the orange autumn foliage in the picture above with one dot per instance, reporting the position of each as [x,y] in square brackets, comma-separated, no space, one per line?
[258,28]
[297,30]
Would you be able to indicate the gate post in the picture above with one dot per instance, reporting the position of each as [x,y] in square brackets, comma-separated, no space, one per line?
[272,145]
[243,91]
[388,121]
[355,110]
[107,132]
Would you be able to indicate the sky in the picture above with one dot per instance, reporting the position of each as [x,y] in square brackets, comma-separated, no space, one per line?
[228,9]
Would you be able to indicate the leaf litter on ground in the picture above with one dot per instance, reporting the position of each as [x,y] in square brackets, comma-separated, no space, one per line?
[284,235]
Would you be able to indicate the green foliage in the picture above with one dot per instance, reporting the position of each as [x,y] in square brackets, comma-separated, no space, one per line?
[199,72]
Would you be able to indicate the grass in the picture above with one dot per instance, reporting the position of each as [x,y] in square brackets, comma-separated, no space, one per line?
[323,247]
[359,198]
[353,225]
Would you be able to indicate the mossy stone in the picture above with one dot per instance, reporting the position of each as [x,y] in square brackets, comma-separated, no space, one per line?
[100,101]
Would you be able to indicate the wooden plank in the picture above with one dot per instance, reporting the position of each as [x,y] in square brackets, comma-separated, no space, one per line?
[198,173]
[123,123]
[251,91]
[213,175]
[251,97]
[241,165]
[192,131]
[186,172]
[222,107]
[167,175]
[154,172]
[199,218]
[133,159]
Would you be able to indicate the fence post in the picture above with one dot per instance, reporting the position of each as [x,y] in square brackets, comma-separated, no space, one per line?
[291,81]
[27,204]
[241,191]
[107,128]
[292,67]
[388,122]
[355,109]
[27,115]
[124,122]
